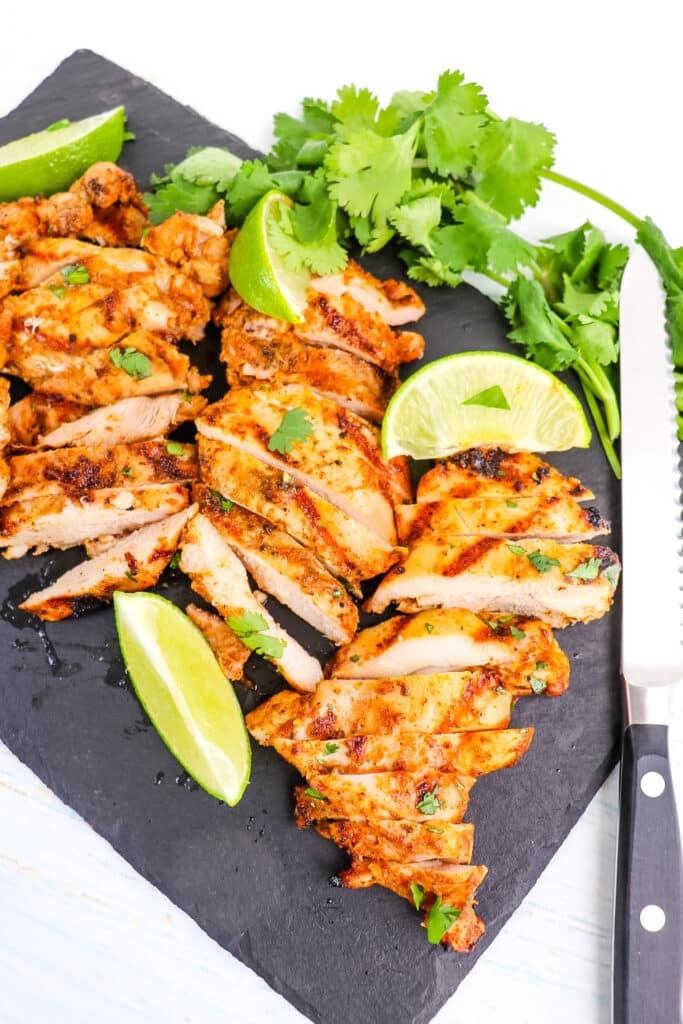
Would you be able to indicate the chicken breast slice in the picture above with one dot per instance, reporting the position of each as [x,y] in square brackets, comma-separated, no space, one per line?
[346,547]
[398,840]
[284,568]
[37,414]
[332,460]
[79,471]
[126,421]
[453,639]
[561,518]
[395,302]
[218,576]
[342,322]
[493,473]
[5,434]
[133,563]
[412,796]
[467,753]
[230,652]
[558,583]
[198,245]
[59,521]
[439,703]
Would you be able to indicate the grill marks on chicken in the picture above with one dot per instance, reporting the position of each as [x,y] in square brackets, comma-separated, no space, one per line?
[394,301]
[493,473]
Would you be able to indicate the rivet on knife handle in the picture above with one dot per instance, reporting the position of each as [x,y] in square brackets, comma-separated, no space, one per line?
[648,926]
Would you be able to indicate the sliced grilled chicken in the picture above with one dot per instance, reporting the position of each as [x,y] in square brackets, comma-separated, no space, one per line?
[341,376]
[493,473]
[341,322]
[198,245]
[37,414]
[134,563]
[560,518]
[284,568]
[331,461]
[103,205]
[468,753]
[59,521]
[94,379]
[230,652]
[412,796]
[348,548]
[395,302]
[444,702]
[79,471]
[5,434]
[455,885]
[392,840]
[452,639]
[126,421]
[558,583]
[218,576]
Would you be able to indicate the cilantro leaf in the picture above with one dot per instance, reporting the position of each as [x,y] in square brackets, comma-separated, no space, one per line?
[225,503]
[252,181]
[538,685]
[250,629]
[135,364]
[355,108]
[441,917]
[536,327]
[75,273]
[453,124]
[418,894]
[510,158]
[294,428]
[315,794]
[430,803]
[294,136]
[175,448]
[588,570]
[489,398]
[194,185]
[542,563]
[416,219]
[305,235]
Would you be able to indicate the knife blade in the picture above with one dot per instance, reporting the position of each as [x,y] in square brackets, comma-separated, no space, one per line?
[648,933]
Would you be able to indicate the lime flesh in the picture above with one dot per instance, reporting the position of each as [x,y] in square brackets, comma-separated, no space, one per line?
[50,160]
[181,686]
[257,273]
[482,399]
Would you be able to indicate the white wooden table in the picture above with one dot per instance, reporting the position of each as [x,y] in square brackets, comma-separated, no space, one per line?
[81,935]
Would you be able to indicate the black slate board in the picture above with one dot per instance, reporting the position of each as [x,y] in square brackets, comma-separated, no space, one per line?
[247,875]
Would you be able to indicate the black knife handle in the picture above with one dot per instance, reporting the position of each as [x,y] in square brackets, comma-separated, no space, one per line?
[648,965]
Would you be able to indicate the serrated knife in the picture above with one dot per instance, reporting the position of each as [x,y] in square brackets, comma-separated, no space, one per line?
[648,933]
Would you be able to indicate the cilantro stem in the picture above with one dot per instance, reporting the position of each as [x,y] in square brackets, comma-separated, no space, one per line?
[605,440]
[591,193]
[600,385]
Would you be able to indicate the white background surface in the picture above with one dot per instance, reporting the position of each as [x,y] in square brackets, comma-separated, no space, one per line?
[82,936]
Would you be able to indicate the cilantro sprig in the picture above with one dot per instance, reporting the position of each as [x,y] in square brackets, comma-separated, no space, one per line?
[250,628]
[294,427]
[442,176]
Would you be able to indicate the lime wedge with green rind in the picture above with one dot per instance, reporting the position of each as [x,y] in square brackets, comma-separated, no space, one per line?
[182,688]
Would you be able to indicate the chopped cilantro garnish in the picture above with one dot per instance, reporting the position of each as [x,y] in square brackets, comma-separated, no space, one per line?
[430,803]
[588,570]
[436,831]
[315,794]
[57,290]
[516,549]
[175,561]
[542,563]
[429,627]
[175,448]
[224,503]
[75,273]
[517,633]
[540,665]
[440,918]
[295,426]
[135,364]
[250,629]
[127,471]
[418,894]
[538,685]
[62,123]
[489,398]
[511,504]
[354,657]
[611,574]
[331,748]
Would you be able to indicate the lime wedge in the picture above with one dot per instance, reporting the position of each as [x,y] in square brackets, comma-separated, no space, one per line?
[257,273]
[51,160]
[477,399]
[181,686]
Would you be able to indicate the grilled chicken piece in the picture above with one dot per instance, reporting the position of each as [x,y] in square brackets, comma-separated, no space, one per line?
[452,639]
[284,568]
[406,795]
[218,576]
[455,885]
[134,563]
[92,378]
[493,473]
[283,358]
[341,322]
[346,547]
[391,840]
[125,422]
[59,521]
[38,414]
[103,205]
[335,461]
[230,652]
[395,302]
[467,753]
[561,518]
[198,245]
[5,434]
[78,472]
[444,702]
[558,583]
